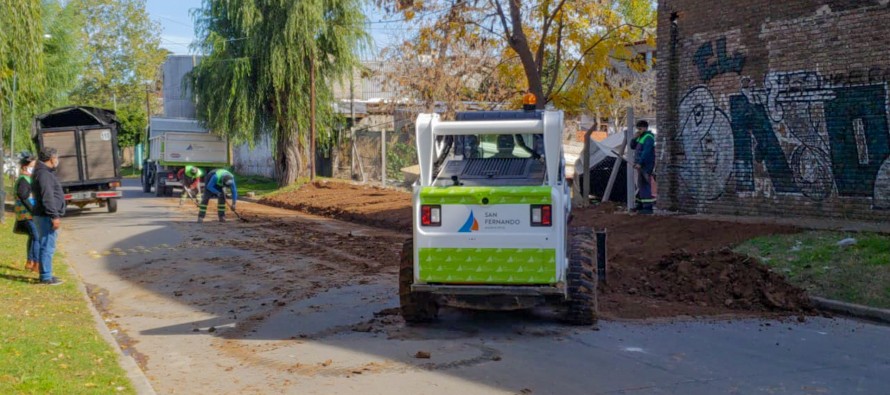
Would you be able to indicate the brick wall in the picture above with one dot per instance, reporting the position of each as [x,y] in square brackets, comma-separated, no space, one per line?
[775,107]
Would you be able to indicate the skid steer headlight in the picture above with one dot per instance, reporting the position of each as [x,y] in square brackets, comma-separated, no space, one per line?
[542,215]
[430,215]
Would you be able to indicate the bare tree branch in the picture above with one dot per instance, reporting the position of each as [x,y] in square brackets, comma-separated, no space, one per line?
[558,58]
[548,20]
[503,18]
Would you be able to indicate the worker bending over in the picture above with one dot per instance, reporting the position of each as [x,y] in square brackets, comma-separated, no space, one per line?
[190,177]
[215,183]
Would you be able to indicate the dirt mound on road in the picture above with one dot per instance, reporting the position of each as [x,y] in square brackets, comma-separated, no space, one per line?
[692,284]
[380,207]
[658,266]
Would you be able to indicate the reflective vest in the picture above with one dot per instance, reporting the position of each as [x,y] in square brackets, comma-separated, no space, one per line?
[21,212]
[219,177]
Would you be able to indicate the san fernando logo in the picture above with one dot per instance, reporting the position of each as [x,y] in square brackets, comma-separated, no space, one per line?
[471,225]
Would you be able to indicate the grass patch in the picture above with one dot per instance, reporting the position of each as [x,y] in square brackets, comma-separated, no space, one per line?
[48,341]
[859,273]
[266,187]
[130,172]
[257,184]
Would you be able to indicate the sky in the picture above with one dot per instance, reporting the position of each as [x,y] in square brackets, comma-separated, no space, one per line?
[178,30]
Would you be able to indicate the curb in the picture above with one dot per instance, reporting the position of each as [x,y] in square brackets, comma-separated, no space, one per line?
[132,369]
[873,314]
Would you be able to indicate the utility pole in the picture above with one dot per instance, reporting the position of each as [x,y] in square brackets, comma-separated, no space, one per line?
[15,77]
[311,118]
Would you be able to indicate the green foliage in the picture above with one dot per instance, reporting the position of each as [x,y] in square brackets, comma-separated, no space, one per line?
[64,51]
[21,46]
[398,156]
[123,52]
[255,76]
[813,260]
[50,342]
[123,57]
[132,125]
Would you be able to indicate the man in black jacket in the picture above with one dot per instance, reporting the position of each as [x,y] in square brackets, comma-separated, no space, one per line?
[49,207]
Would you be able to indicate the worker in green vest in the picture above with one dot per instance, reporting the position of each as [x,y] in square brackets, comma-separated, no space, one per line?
[215,183]
[644,161]
[191,178]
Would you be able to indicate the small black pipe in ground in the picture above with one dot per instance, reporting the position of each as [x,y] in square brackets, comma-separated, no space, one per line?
[601,255]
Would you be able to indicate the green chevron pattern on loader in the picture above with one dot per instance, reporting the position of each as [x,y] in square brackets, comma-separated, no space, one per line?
[495,195]
[488,265]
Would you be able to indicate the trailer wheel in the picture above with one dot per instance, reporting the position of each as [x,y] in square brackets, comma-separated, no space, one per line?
[112,205]
[417,307]
[146,180]
[581,308]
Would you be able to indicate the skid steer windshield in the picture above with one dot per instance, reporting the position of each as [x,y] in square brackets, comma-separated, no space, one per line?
[493,159]
[499,146]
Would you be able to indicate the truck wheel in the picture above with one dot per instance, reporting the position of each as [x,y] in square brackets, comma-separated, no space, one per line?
[112,205]
[417,307]
[146,180]
[160,188]
[581,306]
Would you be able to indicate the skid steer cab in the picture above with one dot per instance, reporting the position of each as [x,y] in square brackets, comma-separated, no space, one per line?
[490,220]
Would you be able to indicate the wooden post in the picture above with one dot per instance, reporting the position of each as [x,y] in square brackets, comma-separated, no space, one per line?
[311,118]
[383,156]
[2,173]
[352,124]
[584,177]
[616,167]
[628,154]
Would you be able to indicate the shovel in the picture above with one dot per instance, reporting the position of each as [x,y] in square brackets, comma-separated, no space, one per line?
[236,213]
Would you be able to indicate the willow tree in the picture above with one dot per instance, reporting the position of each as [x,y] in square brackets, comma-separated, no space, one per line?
[259,60]
[22,70]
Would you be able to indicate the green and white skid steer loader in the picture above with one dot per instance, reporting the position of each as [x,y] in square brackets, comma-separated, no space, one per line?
[491,208]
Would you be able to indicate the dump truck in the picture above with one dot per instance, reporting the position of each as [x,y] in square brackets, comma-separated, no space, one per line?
[174,143]
[490,220]
[89,156]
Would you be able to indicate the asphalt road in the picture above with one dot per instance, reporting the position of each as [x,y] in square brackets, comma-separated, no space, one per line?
[213,309]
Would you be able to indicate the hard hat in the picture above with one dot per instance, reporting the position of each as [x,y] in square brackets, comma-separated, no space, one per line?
[191,171]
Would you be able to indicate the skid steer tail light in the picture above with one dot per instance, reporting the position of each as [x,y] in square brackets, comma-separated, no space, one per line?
[430,215]
[542,215]
[546,218]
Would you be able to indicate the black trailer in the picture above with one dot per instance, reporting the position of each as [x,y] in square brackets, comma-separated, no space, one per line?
[89,155]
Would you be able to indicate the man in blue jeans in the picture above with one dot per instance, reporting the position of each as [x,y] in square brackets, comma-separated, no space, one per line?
[49,207]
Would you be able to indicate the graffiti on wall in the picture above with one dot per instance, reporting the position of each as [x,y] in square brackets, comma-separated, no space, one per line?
[706,137]
[797,134]
[712,59]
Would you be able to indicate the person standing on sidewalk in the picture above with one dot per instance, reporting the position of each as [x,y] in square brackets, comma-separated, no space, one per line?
[644,161]
[215,183]
[24,209]
[49,207]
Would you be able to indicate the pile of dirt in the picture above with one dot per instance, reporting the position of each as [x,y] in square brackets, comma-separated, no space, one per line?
[658,266]
[380,207]
[709,282]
